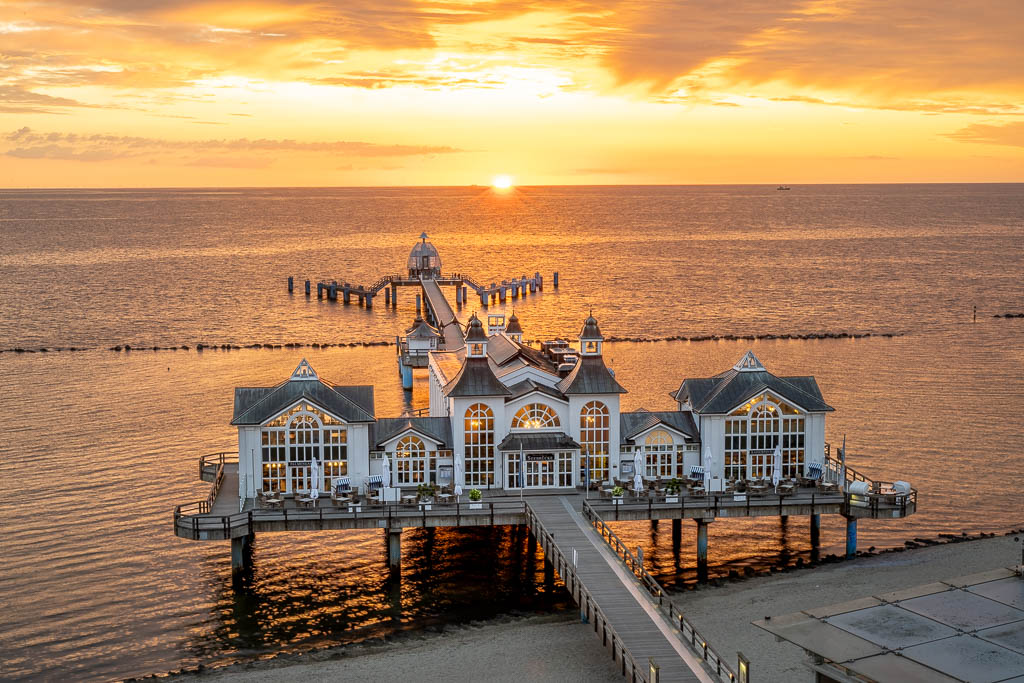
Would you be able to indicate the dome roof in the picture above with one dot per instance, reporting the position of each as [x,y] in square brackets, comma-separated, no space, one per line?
[513,326]
[590,329]
[475,331]
[424,249]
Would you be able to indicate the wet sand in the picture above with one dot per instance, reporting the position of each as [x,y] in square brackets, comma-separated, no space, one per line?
[723,614]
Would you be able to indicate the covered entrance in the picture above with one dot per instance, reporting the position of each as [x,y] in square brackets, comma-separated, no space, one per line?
[546,460]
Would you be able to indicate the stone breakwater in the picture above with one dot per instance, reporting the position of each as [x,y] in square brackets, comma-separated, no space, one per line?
[203,346]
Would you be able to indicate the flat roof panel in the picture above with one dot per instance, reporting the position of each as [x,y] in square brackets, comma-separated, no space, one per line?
[1007,635]
[963,610]
[811,634]
[968,658]
[914,592]
[842,607]
[892,667]
[1007,591]
[891,627]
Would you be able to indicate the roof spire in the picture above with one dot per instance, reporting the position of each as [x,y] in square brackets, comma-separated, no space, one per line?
[749,363]
[304,372]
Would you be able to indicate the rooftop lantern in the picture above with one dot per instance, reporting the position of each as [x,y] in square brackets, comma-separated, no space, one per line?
[590,337]
[513,329]
[476,339]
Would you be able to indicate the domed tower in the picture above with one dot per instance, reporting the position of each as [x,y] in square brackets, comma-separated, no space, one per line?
[423,260]
[513,329]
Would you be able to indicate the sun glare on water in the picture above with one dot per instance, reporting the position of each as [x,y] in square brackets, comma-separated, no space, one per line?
[501,182]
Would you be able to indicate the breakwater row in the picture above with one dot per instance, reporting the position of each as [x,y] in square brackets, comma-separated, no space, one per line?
[202,346]
[1008,315]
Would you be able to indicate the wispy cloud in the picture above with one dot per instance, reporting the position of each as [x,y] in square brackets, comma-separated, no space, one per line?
[1011,134]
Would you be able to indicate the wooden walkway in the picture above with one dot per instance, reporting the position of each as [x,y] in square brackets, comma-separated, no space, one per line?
[634,619]
[447,323]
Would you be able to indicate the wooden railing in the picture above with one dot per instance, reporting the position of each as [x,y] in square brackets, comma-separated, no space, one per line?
[688,633]
[589,608]
[212,462]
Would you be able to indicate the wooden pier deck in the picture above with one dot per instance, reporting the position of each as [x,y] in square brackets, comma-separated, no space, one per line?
[447,323]
[613,601]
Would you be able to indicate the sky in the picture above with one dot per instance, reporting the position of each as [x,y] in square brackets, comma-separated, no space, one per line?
[162,93]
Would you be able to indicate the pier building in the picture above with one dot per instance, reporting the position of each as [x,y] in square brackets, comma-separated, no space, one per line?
[536,436]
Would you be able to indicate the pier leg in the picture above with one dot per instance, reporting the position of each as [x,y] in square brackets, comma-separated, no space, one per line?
[333,294]
[483,299]
[702,549]
[394,296]
[465,293]
[501,295]
[815,531]
[554,279]
[387,296]
[291,284]
[419,304]
[395,550]
[369,300]
[677,533]
[458,296]
[851,536]
[549,575]
[319,290]
[406,371]
[241,558]
[307,287]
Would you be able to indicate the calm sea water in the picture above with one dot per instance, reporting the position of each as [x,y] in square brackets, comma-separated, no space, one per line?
[99,446]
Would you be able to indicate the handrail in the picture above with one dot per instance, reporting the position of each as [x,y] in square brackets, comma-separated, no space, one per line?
[584,599]
[709,654]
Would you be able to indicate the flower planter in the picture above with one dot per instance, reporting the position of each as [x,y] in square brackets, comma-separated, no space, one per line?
[672,499]
[476,506]
[616,500]
[425,506]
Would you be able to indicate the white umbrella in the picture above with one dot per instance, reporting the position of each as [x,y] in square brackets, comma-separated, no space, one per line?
[385,472]
[708,463]
[458,478]
[777,465]
[638,463]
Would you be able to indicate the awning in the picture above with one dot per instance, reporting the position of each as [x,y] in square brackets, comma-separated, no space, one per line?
[538,441]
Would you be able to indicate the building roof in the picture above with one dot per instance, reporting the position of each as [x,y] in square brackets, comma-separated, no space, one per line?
[520,389]
[437,428]
[590,331]
[424,248]
[638,422]
[513,326]
[590,376]
[965,629]
[256,405]
[421,330]
[475,330]
[723,392]
[475,378]
[538,441]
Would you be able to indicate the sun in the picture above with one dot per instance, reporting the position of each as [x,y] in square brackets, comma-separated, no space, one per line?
[501,182]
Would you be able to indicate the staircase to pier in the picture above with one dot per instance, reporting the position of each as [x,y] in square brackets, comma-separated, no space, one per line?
[623,604]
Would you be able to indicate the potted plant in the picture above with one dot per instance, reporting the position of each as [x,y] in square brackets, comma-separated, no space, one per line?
[425,495]
[672,490]
[474,499]
[617,493]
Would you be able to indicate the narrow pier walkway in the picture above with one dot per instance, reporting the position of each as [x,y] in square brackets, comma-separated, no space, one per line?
[628,609]
[447,323]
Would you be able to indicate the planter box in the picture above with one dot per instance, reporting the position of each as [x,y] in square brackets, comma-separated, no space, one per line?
[476,506]
[425,506]
[739,496]
[616,500]
[671,499]
[354,508]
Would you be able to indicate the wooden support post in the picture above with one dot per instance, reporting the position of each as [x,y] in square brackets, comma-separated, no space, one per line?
[394,296]
[501,294]
[702,549]
[241,557]
[369,300]
[360,299]
[291,284]
[307,287]
[554,279]
[815,530]
[419,304]
[483,299]
[851,536]
[319,290]
[465,293]
[458,295]
[346,294]
[387,296]
[333,293]
[540,280]
[394,550]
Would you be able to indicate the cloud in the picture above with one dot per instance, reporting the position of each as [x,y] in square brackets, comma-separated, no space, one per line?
[1010,134]
[18,99]
[26,143]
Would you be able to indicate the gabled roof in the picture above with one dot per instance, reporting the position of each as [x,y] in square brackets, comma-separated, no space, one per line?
[436,428]
[421,330]
[590,376]
[724,392]
[475,378]
[256,405]
[537,441]
[638,422]
[527,386]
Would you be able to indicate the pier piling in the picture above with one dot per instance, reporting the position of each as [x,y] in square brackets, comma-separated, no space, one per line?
[851,536]
[369,300]
[307,287]
[395,550]
[554,279]
[241,556]
[291,284]
[333,294]
[815,530]
[346,295]
[702,549]
[394,296]
[406,371]
[319,290]
[387,296]
[677,534]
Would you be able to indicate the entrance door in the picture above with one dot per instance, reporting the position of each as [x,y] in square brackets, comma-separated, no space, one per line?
[298,477]
[540,473]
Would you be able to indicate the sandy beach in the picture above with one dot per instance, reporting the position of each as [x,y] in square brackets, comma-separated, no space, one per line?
[723,614]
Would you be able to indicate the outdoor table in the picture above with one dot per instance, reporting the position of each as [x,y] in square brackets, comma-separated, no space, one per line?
[444,497]
[305,501]
[274,502]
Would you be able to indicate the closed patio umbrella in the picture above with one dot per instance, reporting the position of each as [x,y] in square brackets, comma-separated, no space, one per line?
[458,478]
[777,465]
[638,483]
[385,472]
[638,463]
[708,464]
[314,479]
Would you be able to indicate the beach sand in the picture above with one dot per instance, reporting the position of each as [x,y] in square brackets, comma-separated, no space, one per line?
[559,648]
[550,648]
[723,614]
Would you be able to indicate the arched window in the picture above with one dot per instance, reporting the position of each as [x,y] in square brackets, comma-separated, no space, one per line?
[752,432]
[660,454]
[535,416]
[412,464]
[479,452]
[594,437]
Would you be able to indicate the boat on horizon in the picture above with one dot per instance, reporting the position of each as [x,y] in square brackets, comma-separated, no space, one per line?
[782,187]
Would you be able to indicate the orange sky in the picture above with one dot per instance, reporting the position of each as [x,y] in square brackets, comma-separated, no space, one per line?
[116,93]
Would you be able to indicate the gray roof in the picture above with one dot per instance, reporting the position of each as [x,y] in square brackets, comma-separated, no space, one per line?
[590,330]
[513,326]
[387,428]
[632,424]
[538,441]
[590,376]
[256,405]
[475,330]
[520,389]
[421,330]
[475,378]
[501,349]
[723,392]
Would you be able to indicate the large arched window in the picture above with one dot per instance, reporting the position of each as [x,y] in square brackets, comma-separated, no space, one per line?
[660,454]
[412,461]
[594,437]
[479,452]
[752,432]
[535,416]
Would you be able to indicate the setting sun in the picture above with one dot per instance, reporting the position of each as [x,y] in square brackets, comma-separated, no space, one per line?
[501,182]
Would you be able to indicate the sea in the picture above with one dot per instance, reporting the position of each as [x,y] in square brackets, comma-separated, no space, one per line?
[902,290]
